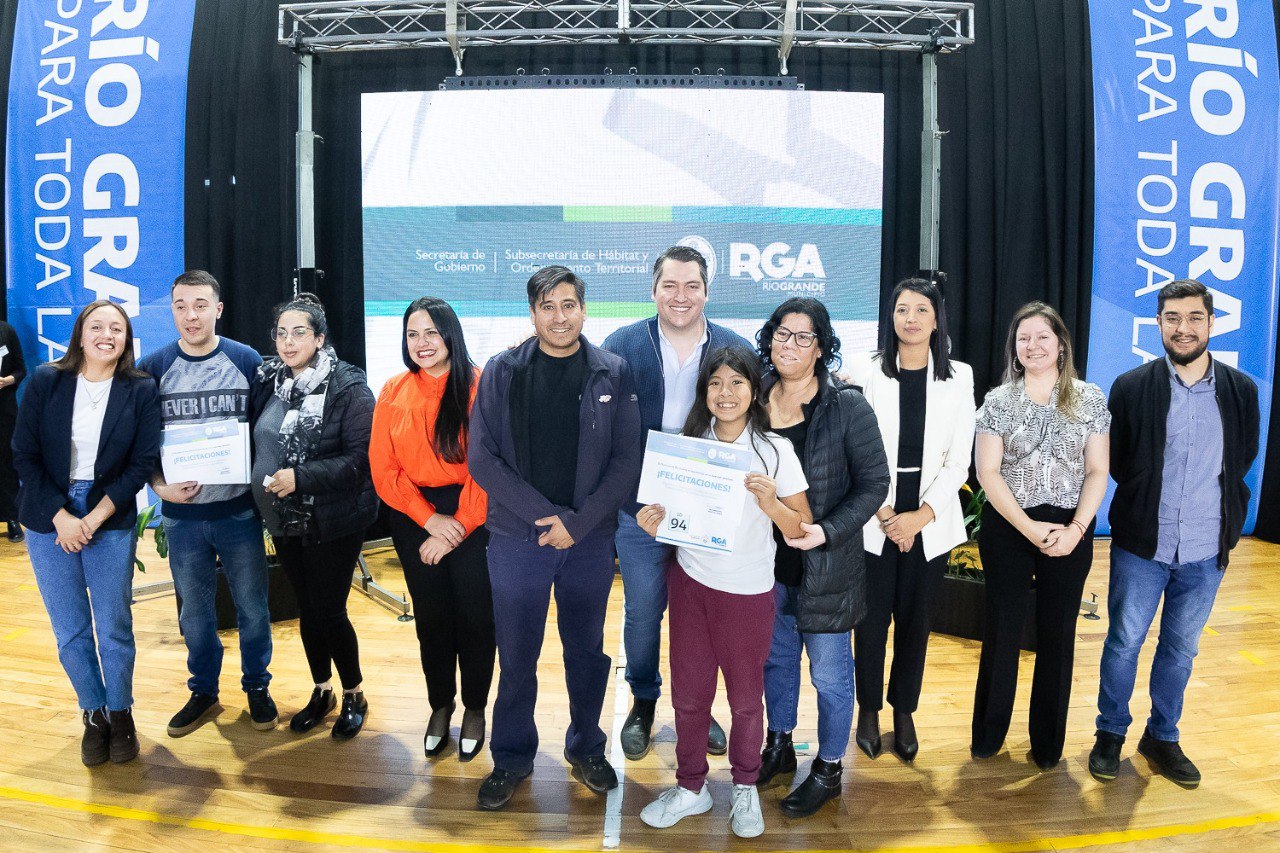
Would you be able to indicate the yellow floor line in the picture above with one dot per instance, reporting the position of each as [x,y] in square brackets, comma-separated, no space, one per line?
[1210,631]
[1067,842]
[14,634]
[1252,658]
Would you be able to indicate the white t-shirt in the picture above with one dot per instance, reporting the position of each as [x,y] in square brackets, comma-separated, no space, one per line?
[86,425]
[748,569]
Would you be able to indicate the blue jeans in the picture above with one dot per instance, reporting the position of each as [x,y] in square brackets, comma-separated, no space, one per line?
[1137,585]
[830,670]
[524,576]
[194,548]
[90,593]
[643,561]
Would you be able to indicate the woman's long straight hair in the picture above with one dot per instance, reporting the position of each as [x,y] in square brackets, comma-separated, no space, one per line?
[939,341]
[1013,369]
[453,421]
[745,363]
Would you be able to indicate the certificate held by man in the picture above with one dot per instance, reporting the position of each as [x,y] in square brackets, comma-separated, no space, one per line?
[215,453]
[701,484]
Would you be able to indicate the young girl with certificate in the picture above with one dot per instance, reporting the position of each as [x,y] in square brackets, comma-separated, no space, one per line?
[722,603]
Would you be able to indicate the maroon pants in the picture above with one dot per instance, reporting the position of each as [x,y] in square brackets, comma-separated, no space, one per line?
[713,630]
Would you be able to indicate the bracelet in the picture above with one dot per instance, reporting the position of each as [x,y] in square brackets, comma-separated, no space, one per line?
[1083,529]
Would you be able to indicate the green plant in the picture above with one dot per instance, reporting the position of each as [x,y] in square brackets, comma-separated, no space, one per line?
[974,503]
[162,541]
[964,561]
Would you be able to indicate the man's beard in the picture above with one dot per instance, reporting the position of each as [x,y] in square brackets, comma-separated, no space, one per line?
[1182,359]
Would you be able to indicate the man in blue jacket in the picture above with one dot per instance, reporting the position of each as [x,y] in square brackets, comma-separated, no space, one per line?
[1184,432]
[556,444]
[665,353]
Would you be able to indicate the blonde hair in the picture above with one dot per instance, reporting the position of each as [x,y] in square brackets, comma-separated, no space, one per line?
[1068,396]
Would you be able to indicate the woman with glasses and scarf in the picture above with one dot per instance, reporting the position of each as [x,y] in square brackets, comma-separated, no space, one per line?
[311,416]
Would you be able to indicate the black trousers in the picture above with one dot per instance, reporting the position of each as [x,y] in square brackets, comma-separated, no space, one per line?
[8,476]
[453,609]
[900,588]
[321,579]
[1010,561]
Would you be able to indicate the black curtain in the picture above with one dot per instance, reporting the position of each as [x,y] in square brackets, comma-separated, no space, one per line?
[1017,170]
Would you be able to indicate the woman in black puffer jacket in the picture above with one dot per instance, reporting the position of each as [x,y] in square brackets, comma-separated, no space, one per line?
[312,415]
[820,578]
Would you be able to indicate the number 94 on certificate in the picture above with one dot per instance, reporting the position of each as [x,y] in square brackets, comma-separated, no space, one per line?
[702,485]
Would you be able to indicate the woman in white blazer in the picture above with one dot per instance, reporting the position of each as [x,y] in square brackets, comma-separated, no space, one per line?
[924,403]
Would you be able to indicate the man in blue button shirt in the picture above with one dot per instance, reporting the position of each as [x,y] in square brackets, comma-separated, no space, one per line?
[1184,432]
[665,353]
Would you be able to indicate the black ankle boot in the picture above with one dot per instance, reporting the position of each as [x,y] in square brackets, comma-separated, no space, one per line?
[779,756]
[95,745]
[905,742]
[822,784]
[867,735]
[124,736]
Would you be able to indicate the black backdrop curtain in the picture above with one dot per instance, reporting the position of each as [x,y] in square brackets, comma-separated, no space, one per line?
[1017,161]
[1017,170]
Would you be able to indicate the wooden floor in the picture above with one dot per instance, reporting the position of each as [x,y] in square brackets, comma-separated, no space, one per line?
[227,786]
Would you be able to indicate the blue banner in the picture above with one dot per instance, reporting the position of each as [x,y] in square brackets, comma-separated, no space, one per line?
[96,140]
[1186,132]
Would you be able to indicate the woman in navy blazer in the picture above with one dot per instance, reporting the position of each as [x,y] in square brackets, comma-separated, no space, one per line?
[87,439]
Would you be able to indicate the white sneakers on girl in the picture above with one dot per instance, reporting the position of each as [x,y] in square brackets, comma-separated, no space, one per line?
[745,820]
[675,804]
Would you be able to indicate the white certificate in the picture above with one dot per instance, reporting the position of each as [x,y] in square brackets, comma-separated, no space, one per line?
[702,485]
[212,454]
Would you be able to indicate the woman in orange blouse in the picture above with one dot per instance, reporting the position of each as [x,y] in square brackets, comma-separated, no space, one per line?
[418,453]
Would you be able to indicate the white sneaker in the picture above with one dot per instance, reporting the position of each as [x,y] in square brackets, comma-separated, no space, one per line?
[675,804]
[745,820]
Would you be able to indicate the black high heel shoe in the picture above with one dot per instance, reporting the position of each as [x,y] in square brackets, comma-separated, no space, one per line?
[473,726]
[867,735]
[905,743]
[437,728]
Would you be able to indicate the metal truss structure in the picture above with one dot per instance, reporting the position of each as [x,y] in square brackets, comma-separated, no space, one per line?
[912,25]
[927,27]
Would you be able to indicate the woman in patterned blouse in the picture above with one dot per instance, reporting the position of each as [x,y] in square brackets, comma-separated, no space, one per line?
[1042,456]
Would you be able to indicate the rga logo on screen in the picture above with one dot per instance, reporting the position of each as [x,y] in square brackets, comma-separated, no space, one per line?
[779,267]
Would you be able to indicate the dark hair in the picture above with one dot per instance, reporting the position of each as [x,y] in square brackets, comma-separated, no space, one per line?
[681,254]
[1068,397]
[198,278]
[1181,289]
[742,361]
[549,278]
[72,360]
[449,439]
[939,342]
[309,304]
[821,320]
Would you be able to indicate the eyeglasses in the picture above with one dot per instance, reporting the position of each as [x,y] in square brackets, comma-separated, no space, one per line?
[804,340]
[299,334]
[1173,321]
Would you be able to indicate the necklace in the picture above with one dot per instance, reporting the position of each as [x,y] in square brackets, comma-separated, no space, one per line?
[94,402]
